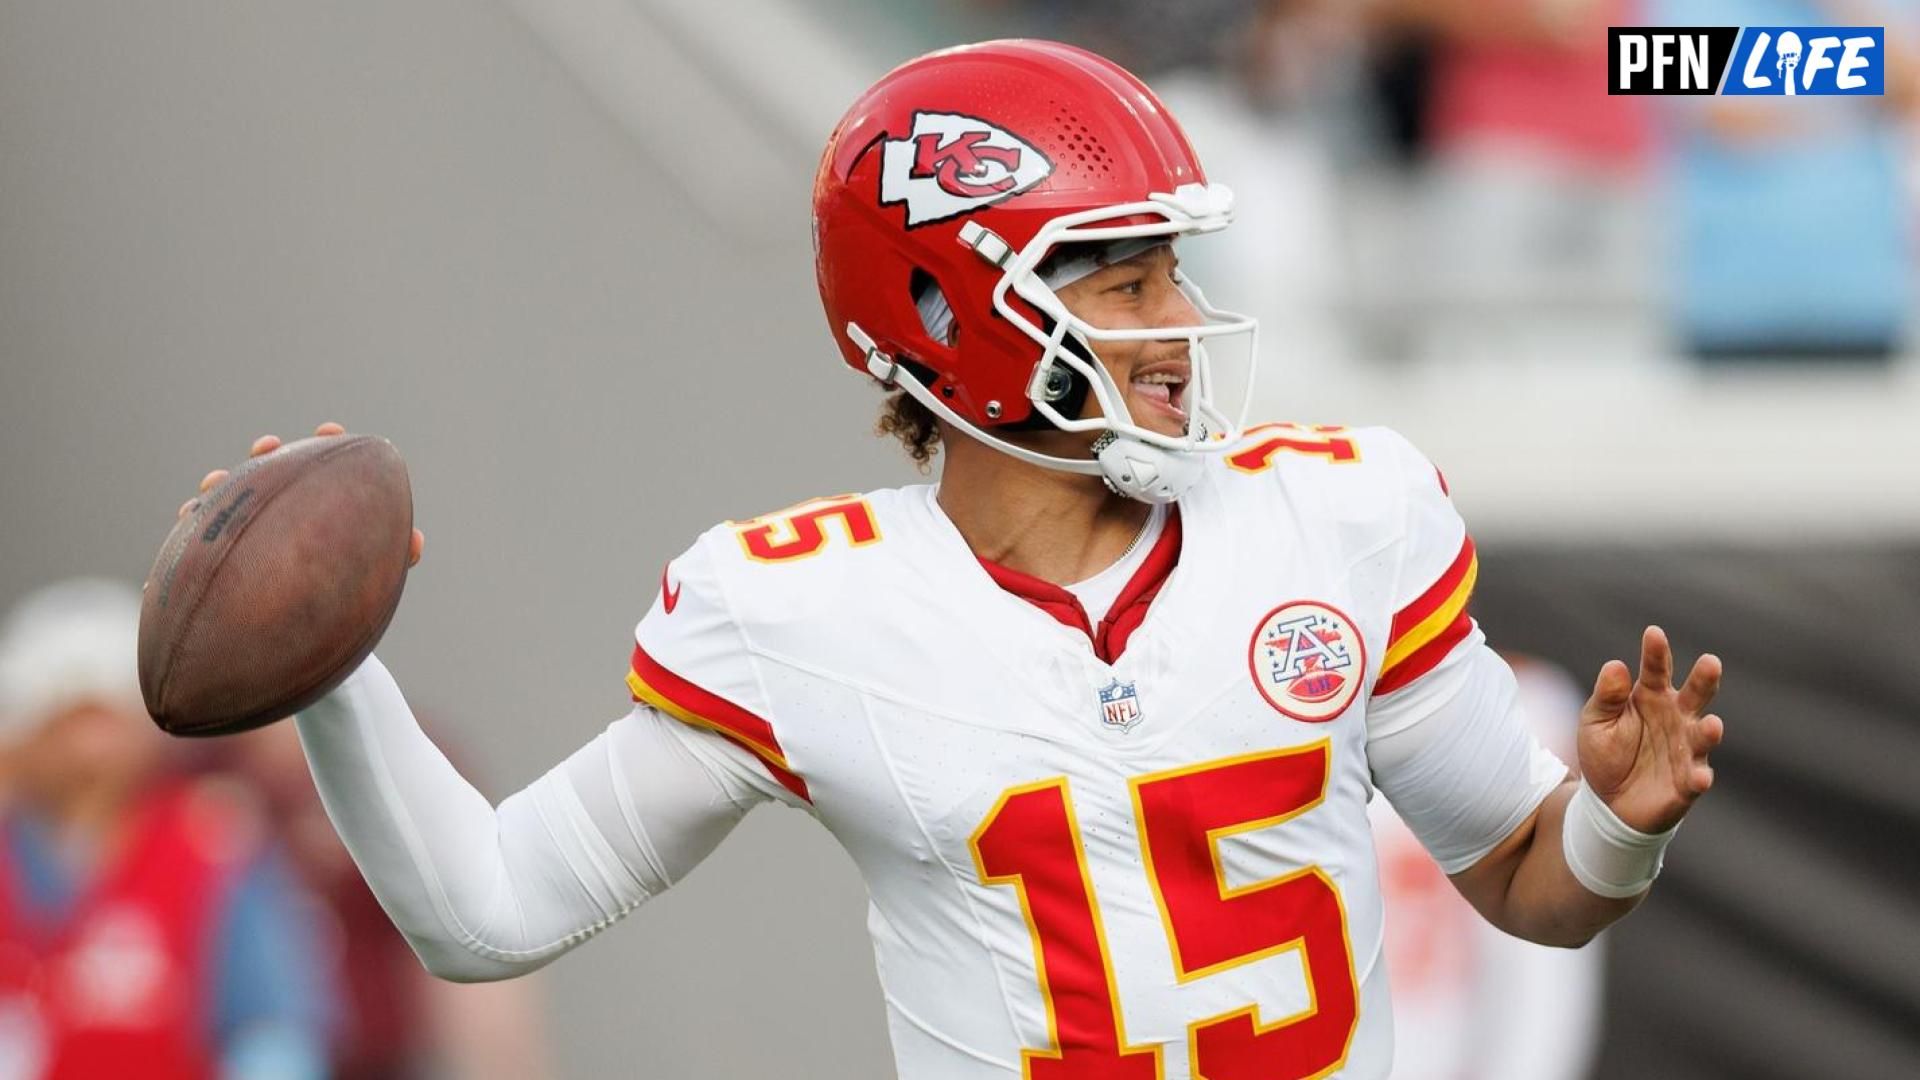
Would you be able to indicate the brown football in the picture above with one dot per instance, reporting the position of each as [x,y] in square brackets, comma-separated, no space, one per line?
[276,586]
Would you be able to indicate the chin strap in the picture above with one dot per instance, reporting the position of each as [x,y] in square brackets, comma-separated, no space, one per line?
[1132,468]
[1150,474]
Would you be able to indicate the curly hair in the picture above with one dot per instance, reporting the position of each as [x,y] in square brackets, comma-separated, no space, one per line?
[913,424]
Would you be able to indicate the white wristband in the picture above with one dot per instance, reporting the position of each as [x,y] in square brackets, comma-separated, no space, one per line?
[1608,856]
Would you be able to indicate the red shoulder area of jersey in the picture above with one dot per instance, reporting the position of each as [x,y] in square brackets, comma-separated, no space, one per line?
[1427,629]
[1261,444]
[653,684]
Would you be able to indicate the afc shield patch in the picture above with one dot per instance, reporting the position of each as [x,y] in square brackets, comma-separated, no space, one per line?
[953,164]
[1308,660]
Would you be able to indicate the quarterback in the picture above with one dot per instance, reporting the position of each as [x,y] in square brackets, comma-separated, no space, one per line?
[1098,715]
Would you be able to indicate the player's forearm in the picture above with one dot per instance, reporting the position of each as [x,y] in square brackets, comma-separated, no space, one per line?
[1540,899]
[480,894]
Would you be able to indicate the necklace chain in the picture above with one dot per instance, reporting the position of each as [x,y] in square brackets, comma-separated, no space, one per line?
[1145,527]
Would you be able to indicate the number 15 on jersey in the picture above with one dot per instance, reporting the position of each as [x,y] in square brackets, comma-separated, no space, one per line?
[1031,841]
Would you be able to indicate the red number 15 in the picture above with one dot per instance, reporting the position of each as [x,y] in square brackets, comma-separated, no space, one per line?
[1031,841]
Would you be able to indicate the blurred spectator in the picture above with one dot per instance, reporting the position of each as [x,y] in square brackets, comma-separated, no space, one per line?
[1271,117]
[399,1022]
[1535,179]
[1537,222]
[1527,73]
[1469,1002]
[1529,206]
[146,928]
[1790,216]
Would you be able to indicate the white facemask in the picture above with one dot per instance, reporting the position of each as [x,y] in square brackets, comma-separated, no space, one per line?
[1135,461]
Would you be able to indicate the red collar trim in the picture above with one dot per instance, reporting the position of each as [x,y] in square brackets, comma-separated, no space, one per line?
[1129,608]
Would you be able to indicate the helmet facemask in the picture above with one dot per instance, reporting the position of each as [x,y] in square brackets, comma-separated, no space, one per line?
[1195,210]
[1134,460]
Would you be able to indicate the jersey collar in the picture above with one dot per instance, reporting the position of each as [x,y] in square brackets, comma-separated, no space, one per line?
[1129,608]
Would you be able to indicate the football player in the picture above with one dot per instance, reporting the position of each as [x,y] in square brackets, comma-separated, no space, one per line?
[1099,714]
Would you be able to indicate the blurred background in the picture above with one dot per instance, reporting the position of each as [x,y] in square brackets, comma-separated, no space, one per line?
[557,250]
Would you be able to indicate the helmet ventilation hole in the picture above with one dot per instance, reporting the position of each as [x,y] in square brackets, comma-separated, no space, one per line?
[1082,151]
[936,313]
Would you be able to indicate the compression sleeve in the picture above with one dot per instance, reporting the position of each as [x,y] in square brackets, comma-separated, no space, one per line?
[1456,757]
[486,893]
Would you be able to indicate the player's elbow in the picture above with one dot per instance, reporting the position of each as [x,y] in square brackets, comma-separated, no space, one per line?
[1567,939]
[1556,930]
[1553,937]
[469,975]
[458,972]
[459,964]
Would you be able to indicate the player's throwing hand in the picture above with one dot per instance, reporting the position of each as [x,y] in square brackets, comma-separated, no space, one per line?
[267,444]
[1644,744]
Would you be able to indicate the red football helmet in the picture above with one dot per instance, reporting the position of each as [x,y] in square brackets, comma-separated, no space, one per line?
[962,170]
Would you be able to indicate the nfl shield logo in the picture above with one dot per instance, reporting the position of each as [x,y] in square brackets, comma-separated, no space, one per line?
[1119,705]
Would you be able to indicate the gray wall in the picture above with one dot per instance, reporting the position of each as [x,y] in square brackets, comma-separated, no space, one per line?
[225,217]
[1779,942]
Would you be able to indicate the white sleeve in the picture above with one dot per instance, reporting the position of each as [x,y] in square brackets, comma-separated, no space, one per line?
[487,893]
[1454,755]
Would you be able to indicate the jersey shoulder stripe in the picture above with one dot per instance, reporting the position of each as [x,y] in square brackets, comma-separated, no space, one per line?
[653,684]
[1426,630]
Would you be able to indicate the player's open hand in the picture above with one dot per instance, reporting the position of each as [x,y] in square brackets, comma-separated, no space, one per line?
[267,444]
[1644,744]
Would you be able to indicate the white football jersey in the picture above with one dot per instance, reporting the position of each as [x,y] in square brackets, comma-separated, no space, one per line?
[1107,848]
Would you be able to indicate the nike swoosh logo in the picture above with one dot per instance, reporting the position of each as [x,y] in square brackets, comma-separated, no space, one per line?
[669,597]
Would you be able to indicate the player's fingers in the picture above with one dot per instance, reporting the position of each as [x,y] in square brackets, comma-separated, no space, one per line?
[1656,660]
[187,508]
[1703,682]
[1707,733]
[329,428]
[1610,691]
[212,480]
[265,444]
[1699,778]
[415,547]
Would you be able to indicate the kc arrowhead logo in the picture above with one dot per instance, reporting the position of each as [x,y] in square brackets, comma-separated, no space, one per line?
[953,164]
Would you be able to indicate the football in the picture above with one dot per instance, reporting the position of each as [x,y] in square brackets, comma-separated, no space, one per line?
[276,586]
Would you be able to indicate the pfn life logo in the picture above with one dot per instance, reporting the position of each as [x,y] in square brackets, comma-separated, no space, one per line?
[1747,60]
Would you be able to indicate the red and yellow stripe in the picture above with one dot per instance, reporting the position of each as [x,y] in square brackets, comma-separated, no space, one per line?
[1425,631]
[653,684]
